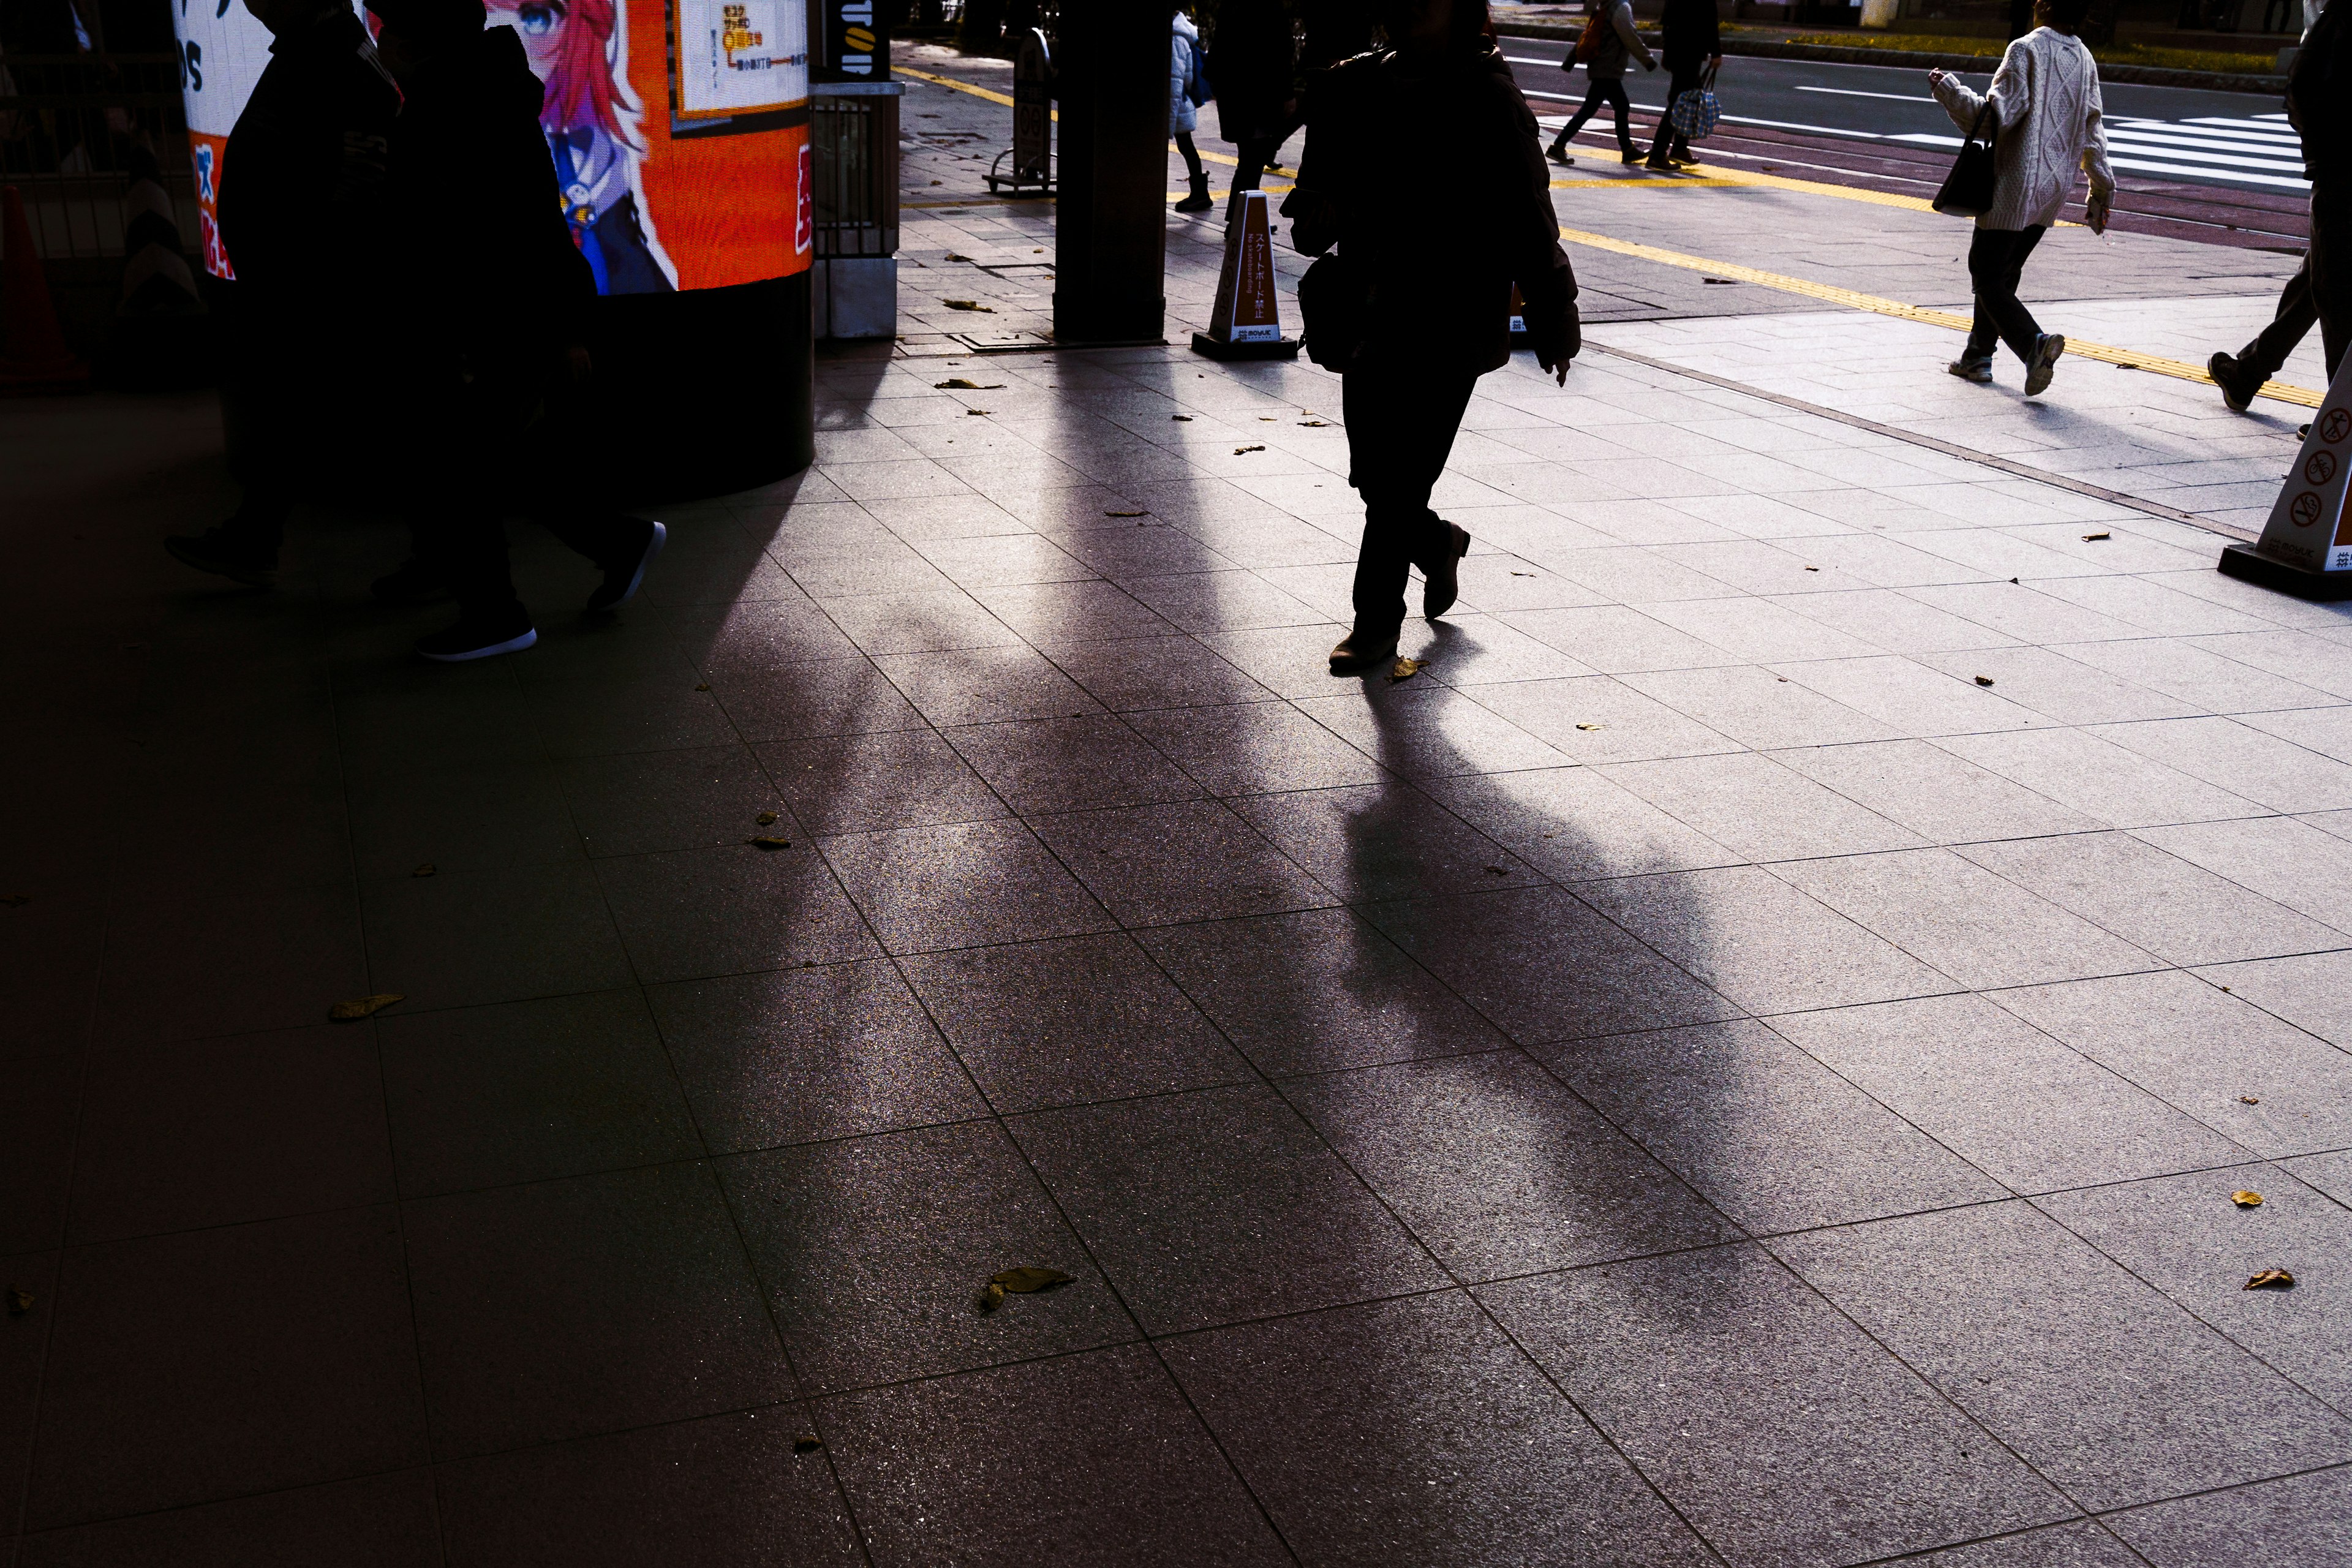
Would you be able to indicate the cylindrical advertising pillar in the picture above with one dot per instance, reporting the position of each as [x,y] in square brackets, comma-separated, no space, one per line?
[679,133]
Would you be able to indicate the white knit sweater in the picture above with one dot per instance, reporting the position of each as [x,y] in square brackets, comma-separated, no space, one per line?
[2046,99]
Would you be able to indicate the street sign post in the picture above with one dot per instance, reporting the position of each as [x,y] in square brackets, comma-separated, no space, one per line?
[1033,120]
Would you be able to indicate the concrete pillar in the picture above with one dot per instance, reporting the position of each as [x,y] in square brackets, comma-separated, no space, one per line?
[1111,219]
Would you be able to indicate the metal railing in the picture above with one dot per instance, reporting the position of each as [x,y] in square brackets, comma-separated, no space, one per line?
[73,130]
[854,143]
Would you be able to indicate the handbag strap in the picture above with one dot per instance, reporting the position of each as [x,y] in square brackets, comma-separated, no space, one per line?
[1706,78]
[1978,123]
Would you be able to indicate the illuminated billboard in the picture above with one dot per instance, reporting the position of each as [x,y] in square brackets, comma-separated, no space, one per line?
[679,133]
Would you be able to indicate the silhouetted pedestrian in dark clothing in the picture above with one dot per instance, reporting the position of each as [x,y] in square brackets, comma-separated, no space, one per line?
[1437,110]
[1692,46]
[1604,74]
[303,222]
[2319,106]
[1252,60]
[491,309]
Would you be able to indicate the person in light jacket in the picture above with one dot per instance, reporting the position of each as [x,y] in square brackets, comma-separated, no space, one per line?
[2048,129]
[1604,74]
[1183,95]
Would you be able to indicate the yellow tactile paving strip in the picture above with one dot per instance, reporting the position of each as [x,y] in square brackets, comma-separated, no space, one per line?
[1703,175]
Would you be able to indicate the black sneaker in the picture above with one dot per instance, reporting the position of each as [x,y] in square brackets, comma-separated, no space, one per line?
[480,636]
[1631,155]
[2045,363]
[621,578]
[1441,584]
[410,583]
[2237,383]
[224,554]
[1363,650]
[1559,155]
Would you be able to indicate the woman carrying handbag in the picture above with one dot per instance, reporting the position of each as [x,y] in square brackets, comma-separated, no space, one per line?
[2046,130]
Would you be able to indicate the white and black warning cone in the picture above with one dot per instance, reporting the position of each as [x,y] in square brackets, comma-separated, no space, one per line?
[2306,548]
[1246,323]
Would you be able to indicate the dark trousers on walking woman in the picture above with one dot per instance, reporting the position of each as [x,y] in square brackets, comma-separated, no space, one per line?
[1401,420]
[1995,261]
[1608,89]
[1673,143]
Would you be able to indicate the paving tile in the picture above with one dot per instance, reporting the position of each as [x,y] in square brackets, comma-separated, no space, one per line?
[1966,923]
[808,1054]
[1760,942]
[1052,1023]
[596,716]
[185,1134]
[2015,1101]
[1910,696]
[1895,622]
[829,697]
[1615,639]
[923,622]
[2236,757]
[2062,688]
[2097,779]
[1467,649]
[1317,990]
[637,1274]
[1255,747]
[1155,865]
[483,817]
[1070,765]
[2329,1173]
[1600,718]
[2305,991]
[729,911]
[2299,866]
[1942,797]
[873,1252]
[466,938]
[1218,1205]
[376,1521]
[722,1490]
[23,1356]
[1377,841]
[1764,1132]
[1499,1169]
[2079,1544]
[1428,730]
[758,640]
[985,685]
[2097,1381]
[1575,823]
[284,1359]
[481,1097]
[254,963]
[1219,601]
[2185,1236]
[962,1469]
[2181,914]
[1150,672]
[857,784]
[1756,807]
[1543,966]
[2301,1518]
[1414,1431]
[2183,1039]
[1755,707]
[1776,1427]
[651,801]
[2195,674]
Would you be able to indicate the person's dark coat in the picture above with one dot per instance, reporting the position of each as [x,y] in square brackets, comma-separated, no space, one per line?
[493,272]
[1429,177]
[2319,96]
[302,207]
[1691,34]
[1252,58]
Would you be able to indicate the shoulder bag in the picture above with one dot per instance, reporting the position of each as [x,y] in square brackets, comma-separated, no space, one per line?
[1968,190]
[1588,42]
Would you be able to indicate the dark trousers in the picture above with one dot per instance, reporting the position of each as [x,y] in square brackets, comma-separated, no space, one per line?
[1995,261]
[1401,421]
[2329,260]
[496,447]
[1686,79]
[1192,155]
[2297,313]
[1608,89]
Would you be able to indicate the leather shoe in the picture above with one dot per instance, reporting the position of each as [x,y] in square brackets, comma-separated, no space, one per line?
[1441,584]
[1363,648]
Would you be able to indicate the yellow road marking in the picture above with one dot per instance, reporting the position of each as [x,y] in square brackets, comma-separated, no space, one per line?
[2277,391]
[1709,175]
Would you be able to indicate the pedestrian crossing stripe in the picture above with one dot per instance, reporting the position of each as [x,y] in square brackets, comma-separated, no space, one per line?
[2277,391]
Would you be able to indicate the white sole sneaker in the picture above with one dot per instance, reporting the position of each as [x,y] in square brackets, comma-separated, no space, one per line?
[516,644]
[2046,363]
[637,580]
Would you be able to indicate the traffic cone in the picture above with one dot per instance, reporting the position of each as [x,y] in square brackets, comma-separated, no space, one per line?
[2306,549]
[33,352]
[1246,323]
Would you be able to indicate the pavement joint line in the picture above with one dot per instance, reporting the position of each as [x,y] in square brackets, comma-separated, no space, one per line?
[2277,391]
[1936,444]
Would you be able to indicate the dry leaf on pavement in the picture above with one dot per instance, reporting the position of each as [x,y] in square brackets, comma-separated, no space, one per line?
[2247,1200]
[2245,1098]
[807,1443]
[1022,1281]
[1406,669]
[1984,681]
[764,818]
[19,1301]
[1239,450]
[771,842]
[361,1007]
[990,1298]
[1592,726]
[427,869]
[2271,1279]
[968,305]
[2089,536]
[1127,514]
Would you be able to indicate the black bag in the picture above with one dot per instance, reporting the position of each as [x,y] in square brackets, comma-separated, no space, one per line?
[1335,304]
[1969,189]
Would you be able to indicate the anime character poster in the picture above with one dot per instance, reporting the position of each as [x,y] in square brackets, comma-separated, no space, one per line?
[679,156]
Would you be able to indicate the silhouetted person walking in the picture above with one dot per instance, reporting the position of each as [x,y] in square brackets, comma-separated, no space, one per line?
[490,310]
[2048,129]
[2319,106]
[1251,57]
[1692,44]
[1604,74]
[1186,78]
[304,220]
[1418,304]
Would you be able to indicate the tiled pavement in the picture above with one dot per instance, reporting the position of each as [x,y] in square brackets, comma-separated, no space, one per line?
[1696,1076]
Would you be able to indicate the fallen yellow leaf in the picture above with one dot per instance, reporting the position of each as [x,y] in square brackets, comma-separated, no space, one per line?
[1022,1281]
[2247,1200]
[771,843]
[1127,514]
[425,871]
[2089,536]
[1239,450]
[1406,669]
[364,1007]
[2271,1279]
[968,305]
[2245,1098]
[807,1443]
[764,818]
[1313,424]
[19,1302]
[1592,726]
[992,1297]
